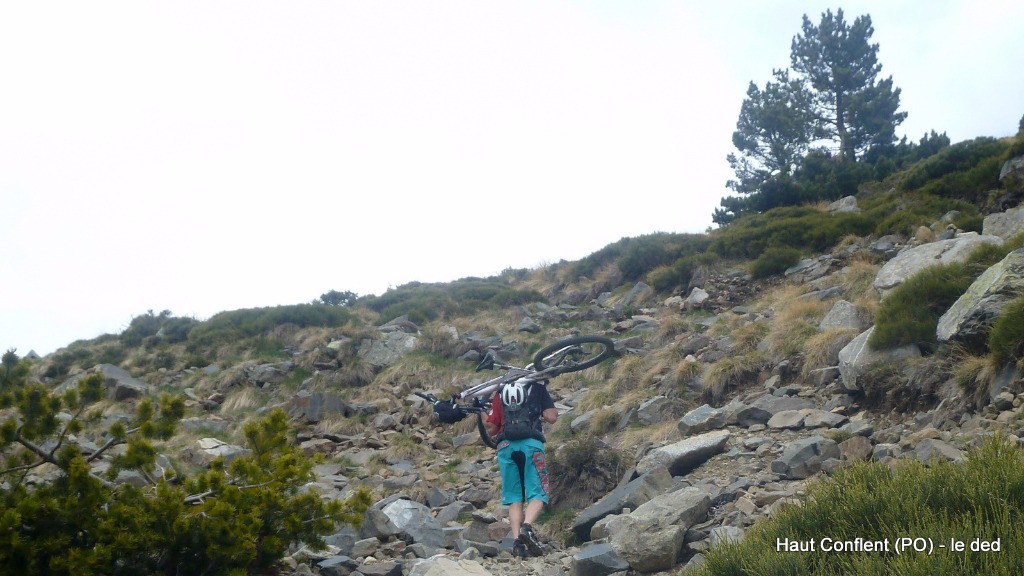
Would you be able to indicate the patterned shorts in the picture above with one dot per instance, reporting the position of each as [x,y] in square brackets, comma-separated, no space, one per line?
[524,471]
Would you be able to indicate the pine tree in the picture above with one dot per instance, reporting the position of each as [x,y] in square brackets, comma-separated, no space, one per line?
[851,107]
[227,520]
[772,133]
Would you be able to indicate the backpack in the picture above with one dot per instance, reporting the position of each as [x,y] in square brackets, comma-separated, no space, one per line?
[521,422]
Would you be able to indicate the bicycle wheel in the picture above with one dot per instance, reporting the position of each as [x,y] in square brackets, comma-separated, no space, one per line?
[488,441]
[574,353]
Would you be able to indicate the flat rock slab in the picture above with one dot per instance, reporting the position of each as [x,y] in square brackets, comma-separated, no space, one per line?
[913,260]
[682,457]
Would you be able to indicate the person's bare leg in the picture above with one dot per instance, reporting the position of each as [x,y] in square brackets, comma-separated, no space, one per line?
[533,511]
[515,517]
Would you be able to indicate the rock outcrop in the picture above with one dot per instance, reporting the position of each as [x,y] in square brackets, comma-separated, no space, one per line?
[913,260]
[971,316]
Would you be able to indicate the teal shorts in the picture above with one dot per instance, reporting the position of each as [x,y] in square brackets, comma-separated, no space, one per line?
[534,471]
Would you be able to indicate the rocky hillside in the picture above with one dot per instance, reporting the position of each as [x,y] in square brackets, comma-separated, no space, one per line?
[728,396]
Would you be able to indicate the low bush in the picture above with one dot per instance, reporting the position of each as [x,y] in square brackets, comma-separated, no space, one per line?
[582,471]
[731,372]
[1006,339]
[910,313]
[229,327]
[795,227]
[680,272]
[961,157]
[423,302]
[774,261]
[981,499]
[904,215]
[637,256]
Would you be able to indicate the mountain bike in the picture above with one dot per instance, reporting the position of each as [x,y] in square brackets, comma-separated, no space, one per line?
[570,354]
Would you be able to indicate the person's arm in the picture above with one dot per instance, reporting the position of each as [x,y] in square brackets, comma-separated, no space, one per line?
[496,418]
[548,412]
[550,415]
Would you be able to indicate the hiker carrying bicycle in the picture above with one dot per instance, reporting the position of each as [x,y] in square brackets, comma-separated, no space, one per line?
[518,412]
[518,405]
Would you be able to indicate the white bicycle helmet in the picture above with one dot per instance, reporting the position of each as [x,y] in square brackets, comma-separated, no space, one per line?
[514,394]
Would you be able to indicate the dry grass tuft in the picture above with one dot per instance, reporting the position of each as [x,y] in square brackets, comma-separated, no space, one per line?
[747,338]
[633,437]
[244,399]
[731,372]
[794,324]
[822,349]
[340,425]
[974,374]
[404,447]
[673,326]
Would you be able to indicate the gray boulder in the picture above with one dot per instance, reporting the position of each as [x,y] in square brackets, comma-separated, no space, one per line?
[597,560]
[206,450]
[386,351]
[702,419]
[414,519]
[683,456]
[445,566]
[913,260]
[847,204]
[842,315]
[760,411]
[650,537]
[118,382]
[312,407]
[971,316]
[637,294]
[932,448]
[803,458]
[696,299]
[628,495]
[857,357]
[1004,224]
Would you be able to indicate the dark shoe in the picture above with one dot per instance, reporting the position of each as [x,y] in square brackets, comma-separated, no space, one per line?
[519,550]
[529,539]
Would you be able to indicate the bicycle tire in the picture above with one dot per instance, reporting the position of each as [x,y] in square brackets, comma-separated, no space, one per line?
[488,441]
[607,350]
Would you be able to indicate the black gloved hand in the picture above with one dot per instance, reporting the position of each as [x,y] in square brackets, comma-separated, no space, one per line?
[449,412]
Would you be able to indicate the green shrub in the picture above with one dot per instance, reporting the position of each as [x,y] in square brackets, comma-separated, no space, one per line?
[582,471]
[235,325]
[910,313]
[681,271]
[799,227]
[961,157]
[61,362]
[969,184]
[227,520]
[423,302]
[981,498]
[636,257]
[1006,339]
[905,214]
[774,261]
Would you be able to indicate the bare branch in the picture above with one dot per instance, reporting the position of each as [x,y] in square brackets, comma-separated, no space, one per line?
[110,444]
[34,449]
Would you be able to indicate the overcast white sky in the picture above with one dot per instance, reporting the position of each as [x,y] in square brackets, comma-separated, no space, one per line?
[209,156]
